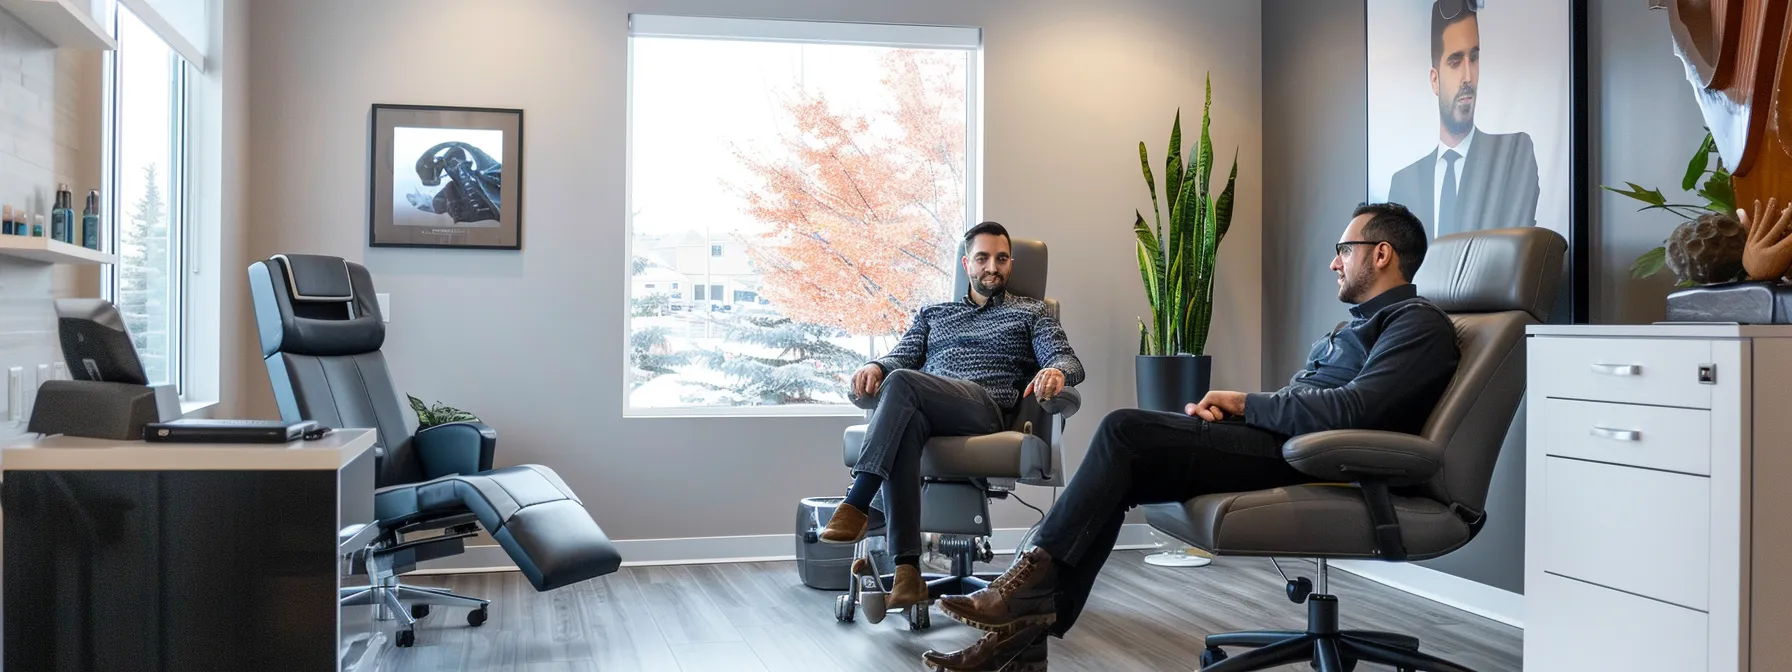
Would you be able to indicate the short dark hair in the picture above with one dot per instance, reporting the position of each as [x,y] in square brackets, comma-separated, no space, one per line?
[1399,228]
[990,228]
[1464,10]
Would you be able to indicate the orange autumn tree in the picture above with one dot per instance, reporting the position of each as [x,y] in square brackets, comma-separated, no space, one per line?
[861,209]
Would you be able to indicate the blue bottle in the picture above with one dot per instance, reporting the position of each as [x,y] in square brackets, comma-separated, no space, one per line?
[90,221]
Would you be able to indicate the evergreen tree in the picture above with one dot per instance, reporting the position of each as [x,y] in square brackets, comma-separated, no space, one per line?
[142,292]
[806,366]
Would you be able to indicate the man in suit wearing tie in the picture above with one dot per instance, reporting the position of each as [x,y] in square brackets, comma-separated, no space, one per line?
[1473,180]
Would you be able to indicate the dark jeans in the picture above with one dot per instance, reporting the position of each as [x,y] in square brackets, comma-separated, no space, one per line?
[912,407]
[1147,457]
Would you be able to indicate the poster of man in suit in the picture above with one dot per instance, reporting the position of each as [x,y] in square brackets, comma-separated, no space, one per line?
[1469,111]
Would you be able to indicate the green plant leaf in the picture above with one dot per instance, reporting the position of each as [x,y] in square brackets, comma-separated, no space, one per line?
[1144,339]
[1636,191]
[1720,193]
[1683,284]
[1150,261]
[1150,185]
[1173,172]
[1649,263]
[1223,207]
[1696,166]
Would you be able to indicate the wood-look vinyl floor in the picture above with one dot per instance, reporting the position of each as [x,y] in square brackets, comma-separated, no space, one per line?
[760,617]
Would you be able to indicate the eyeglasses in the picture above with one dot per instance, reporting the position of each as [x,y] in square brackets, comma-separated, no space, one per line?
[1341,247]
[1450,9]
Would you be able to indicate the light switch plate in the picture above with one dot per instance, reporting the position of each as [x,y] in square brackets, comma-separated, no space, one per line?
[60,371]
[385,306]
[15,388]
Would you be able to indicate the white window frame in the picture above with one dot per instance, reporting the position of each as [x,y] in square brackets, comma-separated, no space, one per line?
[179,189]
[968,39]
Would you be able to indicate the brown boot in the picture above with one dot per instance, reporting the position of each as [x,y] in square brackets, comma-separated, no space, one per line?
[1024,595]
[1023,650]
[908,588]
[846,527]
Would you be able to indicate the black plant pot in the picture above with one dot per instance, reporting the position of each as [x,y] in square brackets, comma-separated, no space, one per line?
[1171,382]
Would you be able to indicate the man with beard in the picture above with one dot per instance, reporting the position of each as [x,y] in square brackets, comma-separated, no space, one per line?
[1473,180]
[959,369]
[1384,369]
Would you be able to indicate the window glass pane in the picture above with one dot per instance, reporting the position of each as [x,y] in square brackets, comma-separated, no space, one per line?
[145,284]
[829,193]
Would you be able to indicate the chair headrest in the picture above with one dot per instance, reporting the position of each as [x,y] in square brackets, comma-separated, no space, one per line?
[316,277]
[1494,270]
[1028,277]
[310,304]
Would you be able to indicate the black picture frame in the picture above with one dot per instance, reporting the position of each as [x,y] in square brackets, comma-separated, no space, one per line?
[1574,302]
[409,143]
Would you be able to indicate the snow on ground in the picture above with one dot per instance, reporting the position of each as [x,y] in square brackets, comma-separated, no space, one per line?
[688,334]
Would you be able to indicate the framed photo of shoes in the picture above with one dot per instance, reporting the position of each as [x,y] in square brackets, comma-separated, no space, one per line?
[445,177]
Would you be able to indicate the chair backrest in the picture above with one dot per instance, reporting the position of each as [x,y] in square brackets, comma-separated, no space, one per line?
[1493,284]
[321,332]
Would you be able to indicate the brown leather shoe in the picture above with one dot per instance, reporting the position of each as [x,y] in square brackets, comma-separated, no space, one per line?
[1023,650]
[846,527]
[1024,595]
[908,588]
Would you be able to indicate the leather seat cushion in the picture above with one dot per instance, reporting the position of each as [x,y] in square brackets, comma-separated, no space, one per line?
[495,495]
[1313,521]
[999,455]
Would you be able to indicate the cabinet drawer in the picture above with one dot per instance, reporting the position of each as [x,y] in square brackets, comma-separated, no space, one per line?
[1636,530]
[1663,372]
[1675,439]
[1575,627]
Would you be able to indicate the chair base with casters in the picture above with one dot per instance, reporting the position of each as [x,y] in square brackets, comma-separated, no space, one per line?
[1322,645]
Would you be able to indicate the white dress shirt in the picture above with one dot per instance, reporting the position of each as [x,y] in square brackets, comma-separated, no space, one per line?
[1437,181]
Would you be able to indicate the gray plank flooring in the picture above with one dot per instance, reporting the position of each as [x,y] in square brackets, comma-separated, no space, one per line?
[759,617]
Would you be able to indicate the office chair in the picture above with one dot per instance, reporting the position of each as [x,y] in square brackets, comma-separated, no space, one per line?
[321,332]
[961,473]
[1398,497]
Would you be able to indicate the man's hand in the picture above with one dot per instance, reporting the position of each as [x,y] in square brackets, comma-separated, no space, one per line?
[1047,383]
[1217,405]
[866,380]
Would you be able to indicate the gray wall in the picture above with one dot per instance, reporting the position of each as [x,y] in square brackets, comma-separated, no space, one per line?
[1643,126]
[1071,88]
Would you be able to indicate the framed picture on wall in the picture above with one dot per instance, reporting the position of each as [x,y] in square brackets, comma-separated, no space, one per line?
[1477,119]
[445,177]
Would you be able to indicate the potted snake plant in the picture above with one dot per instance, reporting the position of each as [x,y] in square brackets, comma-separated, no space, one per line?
[1177,260]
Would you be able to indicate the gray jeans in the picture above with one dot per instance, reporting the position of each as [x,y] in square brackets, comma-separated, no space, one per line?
[912,407]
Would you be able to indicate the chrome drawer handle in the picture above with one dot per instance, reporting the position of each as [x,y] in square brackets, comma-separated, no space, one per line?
[1616,434]
[1618,369]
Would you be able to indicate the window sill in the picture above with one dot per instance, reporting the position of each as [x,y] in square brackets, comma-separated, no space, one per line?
[190,408]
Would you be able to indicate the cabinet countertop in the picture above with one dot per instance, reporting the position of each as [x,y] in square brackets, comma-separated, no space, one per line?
[68,453]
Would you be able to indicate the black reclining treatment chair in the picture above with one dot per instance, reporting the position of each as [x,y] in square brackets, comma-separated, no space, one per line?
[1394,497]
[321,332]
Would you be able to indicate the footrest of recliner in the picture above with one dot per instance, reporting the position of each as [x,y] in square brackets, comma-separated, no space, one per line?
[536,518]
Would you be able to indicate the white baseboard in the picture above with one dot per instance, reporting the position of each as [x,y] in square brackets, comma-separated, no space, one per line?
[1476,598]
[714,550]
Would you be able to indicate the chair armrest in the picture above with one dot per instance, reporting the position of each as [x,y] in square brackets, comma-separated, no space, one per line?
[1360,454]
[456,448]
[1065,404]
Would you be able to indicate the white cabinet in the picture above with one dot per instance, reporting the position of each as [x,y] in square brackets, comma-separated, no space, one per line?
[1658,502]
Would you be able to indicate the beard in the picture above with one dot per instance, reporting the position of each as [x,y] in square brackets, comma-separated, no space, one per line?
[1351,291]
[1457,119]
[990,285]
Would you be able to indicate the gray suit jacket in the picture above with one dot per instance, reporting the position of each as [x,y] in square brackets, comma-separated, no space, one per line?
[1498,189]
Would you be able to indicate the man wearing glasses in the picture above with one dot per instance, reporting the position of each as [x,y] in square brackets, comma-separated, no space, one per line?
[1384,369]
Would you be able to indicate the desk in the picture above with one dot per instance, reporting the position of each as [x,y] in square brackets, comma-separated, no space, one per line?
[125,555]
[1658,503]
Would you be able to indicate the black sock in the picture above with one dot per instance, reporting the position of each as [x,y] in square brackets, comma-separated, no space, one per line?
[910,560]
[863,489]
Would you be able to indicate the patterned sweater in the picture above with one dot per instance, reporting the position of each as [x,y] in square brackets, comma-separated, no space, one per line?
[1000,345]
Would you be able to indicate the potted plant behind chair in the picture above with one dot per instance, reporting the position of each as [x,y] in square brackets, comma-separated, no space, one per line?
[1177,262]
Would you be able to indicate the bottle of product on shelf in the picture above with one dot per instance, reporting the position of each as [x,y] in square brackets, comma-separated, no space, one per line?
[6,227]
[90,221]
[62,215]
[38,229]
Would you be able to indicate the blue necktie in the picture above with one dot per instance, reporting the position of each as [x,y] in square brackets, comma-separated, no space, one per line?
[1446,202]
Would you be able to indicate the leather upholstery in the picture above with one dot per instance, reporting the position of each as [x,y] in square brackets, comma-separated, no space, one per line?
[321,334]
[1347,454]
[1011,454]
[1493,284]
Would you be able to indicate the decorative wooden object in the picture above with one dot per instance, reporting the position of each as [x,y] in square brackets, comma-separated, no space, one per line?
[1738,56]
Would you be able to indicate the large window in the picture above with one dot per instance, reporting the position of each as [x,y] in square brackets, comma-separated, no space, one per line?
[809,182]
[146,169]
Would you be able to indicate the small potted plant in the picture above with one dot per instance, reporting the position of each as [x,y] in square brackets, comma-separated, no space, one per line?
[438,414]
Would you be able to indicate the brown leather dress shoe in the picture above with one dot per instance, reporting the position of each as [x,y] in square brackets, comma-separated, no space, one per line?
[847,526]
[1024,595]
[1023,650]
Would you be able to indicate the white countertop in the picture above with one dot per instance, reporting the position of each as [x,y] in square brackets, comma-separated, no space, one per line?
[1665,330]
[67,453]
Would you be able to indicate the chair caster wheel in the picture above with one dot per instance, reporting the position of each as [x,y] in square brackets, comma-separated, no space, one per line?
[874,607]
[1299,589]
[476,617]
[843,608]
[919,617]
[419,611]
[407,638]
[1212,656]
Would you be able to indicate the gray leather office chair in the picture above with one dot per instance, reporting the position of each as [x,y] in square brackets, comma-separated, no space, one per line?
[1398,497]
[961,473]
[321,332]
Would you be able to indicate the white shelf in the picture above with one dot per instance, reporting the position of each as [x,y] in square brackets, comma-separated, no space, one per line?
[50,251]
[62,23]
